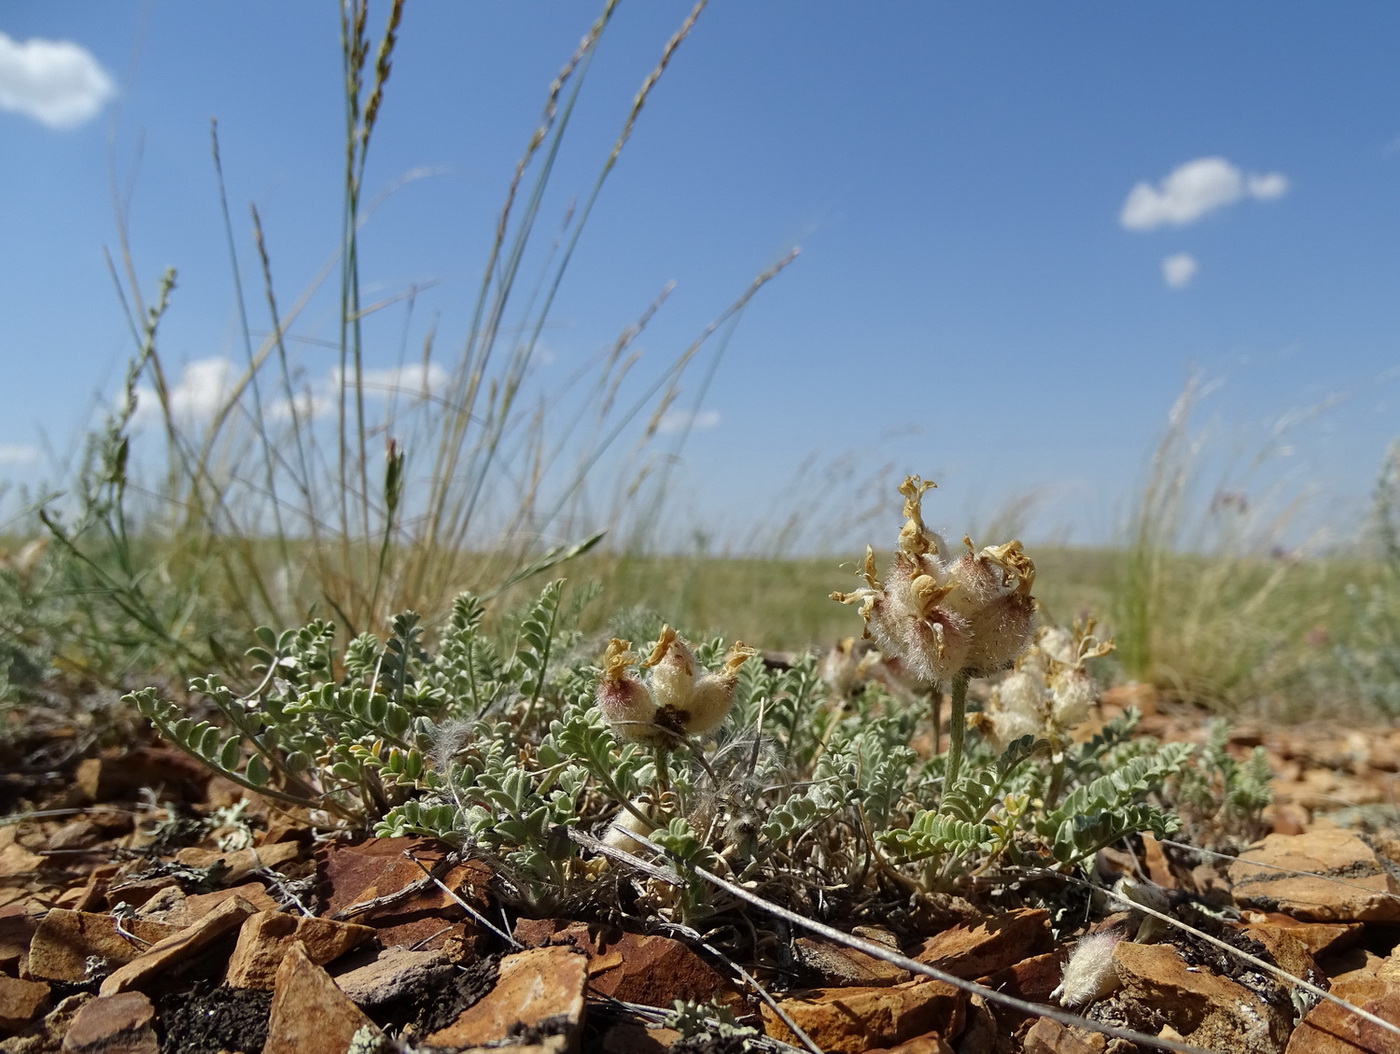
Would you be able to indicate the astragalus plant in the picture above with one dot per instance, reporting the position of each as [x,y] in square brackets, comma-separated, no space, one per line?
[570,762]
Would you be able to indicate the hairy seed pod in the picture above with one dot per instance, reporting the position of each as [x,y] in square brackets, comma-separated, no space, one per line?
[625,702]
[672,666]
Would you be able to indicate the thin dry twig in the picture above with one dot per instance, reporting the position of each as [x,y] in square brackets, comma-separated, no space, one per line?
[831,933]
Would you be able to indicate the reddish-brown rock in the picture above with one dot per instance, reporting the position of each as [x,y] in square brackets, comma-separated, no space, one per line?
[377,867]
[992,943]
[268,935]
[1319,938]
[636,968]
[854,1020]
[113,1024]
[17,926]
[178,948]
[1332,1029]
[392,973]
[1326,875]
[310,1015]
[837,964]
[1032,979]
[930,1044]
[1048,1036]
[65,942]
[242,863]
[164,769]
[538,987]
[1206,1010]
[193,908]
[20,1002]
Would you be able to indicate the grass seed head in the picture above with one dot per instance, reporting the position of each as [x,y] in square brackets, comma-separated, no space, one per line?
[1089,974]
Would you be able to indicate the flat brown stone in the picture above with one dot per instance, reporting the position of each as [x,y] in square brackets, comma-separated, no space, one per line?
[200,904]
[17,926]
[179,947]
[139,893]
[268,935]
[1033,978]
[538,987]
[1048,1036]
[1319,938]
[20,1002]
[377,867]
[113,1024]
[18,863]
[1332,1029]
[930,1044]
[310,1015]
[1326,875]
[1205,1009]
[836,964]
[392,973]
[65,941]
[992,943]
[114,775]
[854,1020]
[242,863]
[636,968]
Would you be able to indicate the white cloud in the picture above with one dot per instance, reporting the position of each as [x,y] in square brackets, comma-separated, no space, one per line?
[18,454]
[1191,190]
[204,387]
[308,406]
[420,379]
[1268,187]
[56,82]
[679,420]
[1178,270]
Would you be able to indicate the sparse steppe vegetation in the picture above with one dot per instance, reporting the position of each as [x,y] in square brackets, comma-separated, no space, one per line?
[385,627]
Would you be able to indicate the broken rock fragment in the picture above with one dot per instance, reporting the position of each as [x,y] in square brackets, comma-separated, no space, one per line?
[989,944]
[164,955]
[539,992]
[20,1002]
[267,937]
[113,1024]
[310,1015]
[1206,1010]
[67,943]
[1326,875]
[853,1020]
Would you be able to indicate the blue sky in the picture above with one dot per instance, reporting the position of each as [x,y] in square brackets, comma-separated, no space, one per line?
[1023,227]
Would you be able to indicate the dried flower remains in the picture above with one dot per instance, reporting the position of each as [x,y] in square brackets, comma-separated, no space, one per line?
[938,615]
[674,701]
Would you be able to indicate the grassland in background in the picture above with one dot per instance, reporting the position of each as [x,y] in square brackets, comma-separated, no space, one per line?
[172,545]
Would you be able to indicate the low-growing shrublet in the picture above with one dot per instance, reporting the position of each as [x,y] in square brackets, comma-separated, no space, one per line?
[821,795]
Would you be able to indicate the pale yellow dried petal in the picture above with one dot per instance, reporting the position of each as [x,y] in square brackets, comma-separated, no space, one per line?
[925,594]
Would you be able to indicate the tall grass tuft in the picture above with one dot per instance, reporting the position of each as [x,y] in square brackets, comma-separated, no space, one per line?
[1370,655]
[1207,601]
[288,502]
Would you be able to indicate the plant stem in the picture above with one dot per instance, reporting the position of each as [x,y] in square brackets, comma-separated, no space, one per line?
[957,725]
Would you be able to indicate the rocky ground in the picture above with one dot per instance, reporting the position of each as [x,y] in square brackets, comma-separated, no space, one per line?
[127,925]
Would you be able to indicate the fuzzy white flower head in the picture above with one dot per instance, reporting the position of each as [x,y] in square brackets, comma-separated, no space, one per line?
[1050,692]
[675,701]
[939,617]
